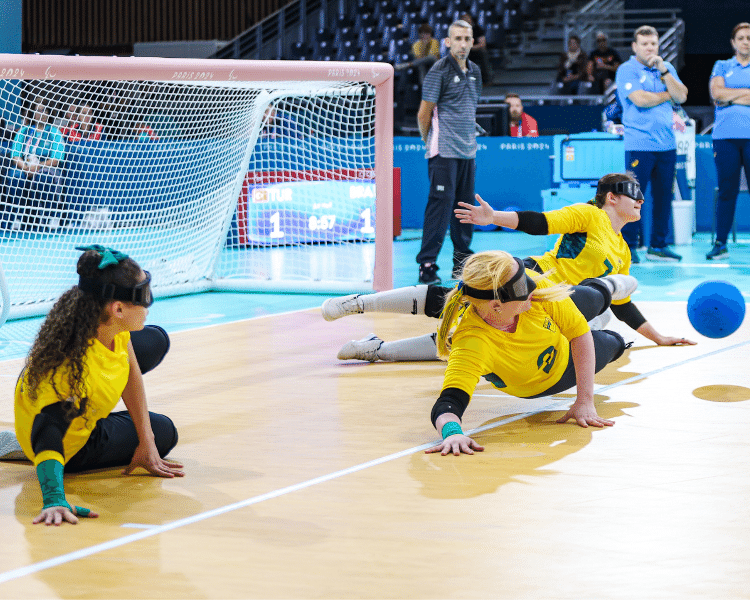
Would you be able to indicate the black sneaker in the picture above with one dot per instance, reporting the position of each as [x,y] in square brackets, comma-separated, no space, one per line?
[718,252]
[662,255]
[428,274]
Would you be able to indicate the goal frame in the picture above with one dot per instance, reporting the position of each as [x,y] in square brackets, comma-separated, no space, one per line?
[379,75]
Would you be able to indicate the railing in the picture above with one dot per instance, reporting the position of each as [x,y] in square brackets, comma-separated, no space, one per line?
[268,38]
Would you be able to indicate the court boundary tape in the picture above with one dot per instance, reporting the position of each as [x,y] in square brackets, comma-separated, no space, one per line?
[158,529]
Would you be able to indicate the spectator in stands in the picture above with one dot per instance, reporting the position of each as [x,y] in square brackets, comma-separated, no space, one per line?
[278,123]
[82,126]
[647,86]
[425,51]
[603,63]
[730,90]
[479,53]
[571,70]
[33,180]
[521,124]
[144,133]
[447,122]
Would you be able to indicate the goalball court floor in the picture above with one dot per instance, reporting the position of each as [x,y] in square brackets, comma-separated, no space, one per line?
[306,476]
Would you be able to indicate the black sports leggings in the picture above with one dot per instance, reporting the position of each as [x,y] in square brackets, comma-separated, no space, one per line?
[114,439]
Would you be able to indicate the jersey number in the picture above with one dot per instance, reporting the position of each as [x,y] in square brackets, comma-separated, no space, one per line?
[547,359]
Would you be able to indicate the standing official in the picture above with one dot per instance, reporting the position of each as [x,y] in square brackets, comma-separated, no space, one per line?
[647,86]
[730,90]
[447,124]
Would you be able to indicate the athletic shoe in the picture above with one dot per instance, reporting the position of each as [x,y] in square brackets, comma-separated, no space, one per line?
[663,255]
[10,449]
[364,349]
[634,258]
[620,286]
[428,274]
[718,252]
[335,308]
[600,322]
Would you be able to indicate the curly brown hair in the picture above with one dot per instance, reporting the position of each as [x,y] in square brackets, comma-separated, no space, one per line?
[70,329]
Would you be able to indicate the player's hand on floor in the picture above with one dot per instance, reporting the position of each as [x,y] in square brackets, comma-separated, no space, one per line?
[673,341]
[456,444]
[148,458]
[478,215]
[585,415]
[55,515]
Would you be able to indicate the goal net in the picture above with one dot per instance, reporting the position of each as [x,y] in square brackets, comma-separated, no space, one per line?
[213,175]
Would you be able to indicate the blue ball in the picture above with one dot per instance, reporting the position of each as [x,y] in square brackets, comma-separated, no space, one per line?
[716,309]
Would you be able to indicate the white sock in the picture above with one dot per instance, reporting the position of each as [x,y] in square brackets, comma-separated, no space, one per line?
[416,348]
[406,300]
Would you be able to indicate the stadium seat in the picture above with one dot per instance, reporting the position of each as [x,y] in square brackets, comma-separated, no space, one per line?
[495,36]
[323,35]
[371,32]
[300,51]
[344,34]
[512,20]
[407,6]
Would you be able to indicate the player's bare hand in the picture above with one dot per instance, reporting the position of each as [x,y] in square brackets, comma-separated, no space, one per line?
[657,62]
[147,457]
[478,215]
[456,444]
[674,341]
[56,515]
[585,415]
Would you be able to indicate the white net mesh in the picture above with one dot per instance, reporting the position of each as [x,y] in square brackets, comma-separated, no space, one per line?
[209,186]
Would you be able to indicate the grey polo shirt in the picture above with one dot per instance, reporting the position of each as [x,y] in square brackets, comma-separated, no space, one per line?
[455,94]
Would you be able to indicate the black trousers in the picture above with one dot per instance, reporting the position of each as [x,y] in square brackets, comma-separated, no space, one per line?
[592,298]
[114,439]
[451,182]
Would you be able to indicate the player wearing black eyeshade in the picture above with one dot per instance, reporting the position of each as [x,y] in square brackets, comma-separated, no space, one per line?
[523,333]
[92,350]
[590,245]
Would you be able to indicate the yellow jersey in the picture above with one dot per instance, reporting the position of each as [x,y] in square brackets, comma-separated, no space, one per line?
[524,363]
[588,246]
[107,373]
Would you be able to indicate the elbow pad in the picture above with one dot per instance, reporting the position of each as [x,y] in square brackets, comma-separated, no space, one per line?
[628,314]
[452,400]
[534,223]
[48,429]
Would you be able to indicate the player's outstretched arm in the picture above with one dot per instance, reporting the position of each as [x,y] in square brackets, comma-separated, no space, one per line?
[454,440]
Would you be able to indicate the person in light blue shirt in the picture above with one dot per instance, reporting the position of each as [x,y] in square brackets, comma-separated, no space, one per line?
[647,86]
[33,181]
[730,90]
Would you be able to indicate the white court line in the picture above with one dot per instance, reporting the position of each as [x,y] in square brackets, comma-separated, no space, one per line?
[156,530]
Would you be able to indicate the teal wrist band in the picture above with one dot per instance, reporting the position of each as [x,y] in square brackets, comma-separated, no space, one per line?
[50,474]
[451,428]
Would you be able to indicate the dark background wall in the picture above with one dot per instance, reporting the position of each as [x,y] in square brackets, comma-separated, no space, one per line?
[113,26]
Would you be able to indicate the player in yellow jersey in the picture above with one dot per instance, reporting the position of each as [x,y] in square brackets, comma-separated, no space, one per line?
[524,334]
[590,245]
[91,351]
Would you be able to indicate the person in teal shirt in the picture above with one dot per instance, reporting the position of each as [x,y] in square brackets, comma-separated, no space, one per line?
[730,90]
[33,182]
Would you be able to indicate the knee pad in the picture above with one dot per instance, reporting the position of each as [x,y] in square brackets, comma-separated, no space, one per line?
[593,282]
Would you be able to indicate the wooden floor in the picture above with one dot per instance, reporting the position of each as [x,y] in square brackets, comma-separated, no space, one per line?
[306,478]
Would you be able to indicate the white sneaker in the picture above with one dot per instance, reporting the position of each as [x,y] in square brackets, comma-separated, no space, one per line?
[10,449]
[364,349]
[620,286]
[335,308]
[16,225]
[53,223]
[600,322]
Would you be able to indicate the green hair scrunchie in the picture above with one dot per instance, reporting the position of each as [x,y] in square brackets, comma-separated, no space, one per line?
[109,256]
